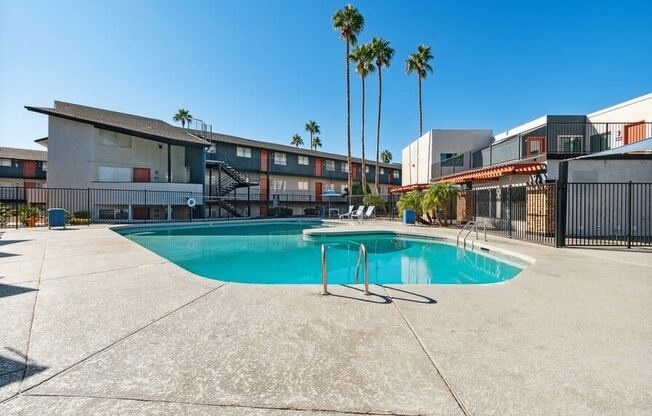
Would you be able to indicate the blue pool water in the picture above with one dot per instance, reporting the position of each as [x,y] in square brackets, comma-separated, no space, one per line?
[279,253]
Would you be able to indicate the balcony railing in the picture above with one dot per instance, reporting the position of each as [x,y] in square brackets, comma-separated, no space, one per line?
[553,140]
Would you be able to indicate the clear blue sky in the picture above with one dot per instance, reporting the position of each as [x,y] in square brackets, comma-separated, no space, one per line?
[261,69]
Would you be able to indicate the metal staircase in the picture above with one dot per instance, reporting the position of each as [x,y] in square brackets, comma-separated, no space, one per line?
[223,194]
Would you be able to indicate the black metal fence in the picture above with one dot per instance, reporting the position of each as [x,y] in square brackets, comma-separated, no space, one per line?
[27,207]
[575,214]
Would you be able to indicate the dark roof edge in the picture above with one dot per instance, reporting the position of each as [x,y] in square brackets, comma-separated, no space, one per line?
[123,130]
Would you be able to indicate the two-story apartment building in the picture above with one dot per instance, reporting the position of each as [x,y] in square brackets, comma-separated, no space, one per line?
[291,177]
[140,168]
[22,167]
[124,161]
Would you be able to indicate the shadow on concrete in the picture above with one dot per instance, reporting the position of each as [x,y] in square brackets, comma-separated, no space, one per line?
[10,290]
[7,242]
[13,370]
[382,301]
[5,255]
[423,298]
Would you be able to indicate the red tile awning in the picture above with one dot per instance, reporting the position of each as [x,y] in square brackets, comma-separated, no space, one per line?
[408,188]
[494,172]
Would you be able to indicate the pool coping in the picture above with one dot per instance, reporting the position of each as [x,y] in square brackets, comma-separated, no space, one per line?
[477,246]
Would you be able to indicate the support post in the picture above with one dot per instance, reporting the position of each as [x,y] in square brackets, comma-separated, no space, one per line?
[629,214]
[561,204]
[169,162]
[88,205]
[248,201]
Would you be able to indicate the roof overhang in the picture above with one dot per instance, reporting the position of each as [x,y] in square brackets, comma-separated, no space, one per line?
[123,130]
[639,146]
[409,188]
[494,172]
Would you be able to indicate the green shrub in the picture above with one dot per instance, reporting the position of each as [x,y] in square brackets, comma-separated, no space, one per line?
[311,211]
[27,213]
[375,200]
[358,193]
[280,212]
[5,213]
[410,200]
[81,215]
[79,221]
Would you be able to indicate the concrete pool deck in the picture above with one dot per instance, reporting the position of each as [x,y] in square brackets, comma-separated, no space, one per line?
[93,323]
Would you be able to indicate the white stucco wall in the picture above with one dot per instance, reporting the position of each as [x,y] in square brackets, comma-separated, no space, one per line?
[637,109]
[418,157]
[75,155]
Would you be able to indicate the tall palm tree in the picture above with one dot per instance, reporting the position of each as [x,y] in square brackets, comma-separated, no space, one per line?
[419,62]
[349,23]
[312,128]
[315,142]
[383,54]
[363,57]
[386,156]
[182,116]
[296,141]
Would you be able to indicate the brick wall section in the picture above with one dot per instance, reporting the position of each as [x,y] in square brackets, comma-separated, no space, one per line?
[464,207]
[540,209]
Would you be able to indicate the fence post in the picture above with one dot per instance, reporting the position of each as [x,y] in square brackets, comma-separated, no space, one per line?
[629,214]
[16,206]
[88,205]
[509,209]
[561,205]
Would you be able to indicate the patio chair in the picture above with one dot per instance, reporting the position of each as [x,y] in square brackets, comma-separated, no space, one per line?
[348,213]
[358,213]
[370,212]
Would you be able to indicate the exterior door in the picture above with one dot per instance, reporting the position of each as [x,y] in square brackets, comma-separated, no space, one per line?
[319,166]
[264,157]
[355,171]
[140,213]
[536,145]
[29,169]
[318,191]
[634,132]
[264,189]
[141,174]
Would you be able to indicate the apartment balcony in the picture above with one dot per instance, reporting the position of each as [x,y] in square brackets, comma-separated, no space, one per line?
[552,140]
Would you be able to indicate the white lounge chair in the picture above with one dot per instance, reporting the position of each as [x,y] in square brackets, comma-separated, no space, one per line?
[370,212]
[348,213]
[358,213]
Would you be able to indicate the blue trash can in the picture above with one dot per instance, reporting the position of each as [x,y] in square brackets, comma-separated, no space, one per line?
[56,217]
[409,216]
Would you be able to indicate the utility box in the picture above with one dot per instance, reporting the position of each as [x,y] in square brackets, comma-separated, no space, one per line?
[409,216]
[56,217]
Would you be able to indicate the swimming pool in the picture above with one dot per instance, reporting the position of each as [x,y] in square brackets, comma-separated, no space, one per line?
[279,253]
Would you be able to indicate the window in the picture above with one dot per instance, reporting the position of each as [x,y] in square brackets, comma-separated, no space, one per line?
[278,185]
[113,174]
[280,159]
[569,143]
[600,142]
[303,160]
[444,156]
[111,138]
[397,174]
[345,167]
[366,169]
[382,171]
[329,164]
[44,166]
[243,152]
[303,186]
[5,162]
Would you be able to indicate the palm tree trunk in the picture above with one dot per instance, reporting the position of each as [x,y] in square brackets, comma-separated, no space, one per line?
[380,97]
[364,171]
[348,122]
[310,140]
[420,108]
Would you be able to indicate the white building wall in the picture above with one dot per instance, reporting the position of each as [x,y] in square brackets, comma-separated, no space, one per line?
[418,156]
[637,109]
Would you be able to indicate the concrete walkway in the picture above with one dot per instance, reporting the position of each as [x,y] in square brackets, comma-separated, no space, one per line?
[95,324]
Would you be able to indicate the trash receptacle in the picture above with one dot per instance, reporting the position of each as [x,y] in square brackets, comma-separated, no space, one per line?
[56,217]
[409,216]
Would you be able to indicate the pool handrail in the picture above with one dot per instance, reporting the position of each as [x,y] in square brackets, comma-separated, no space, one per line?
[362,253]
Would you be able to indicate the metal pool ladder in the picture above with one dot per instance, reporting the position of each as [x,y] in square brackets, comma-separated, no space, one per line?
[362,255]
[469,227]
